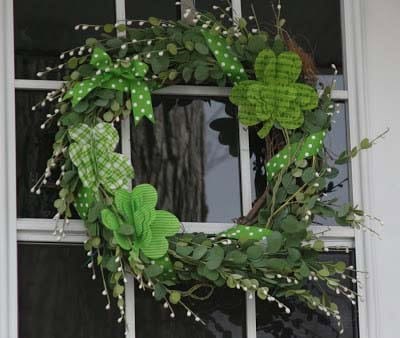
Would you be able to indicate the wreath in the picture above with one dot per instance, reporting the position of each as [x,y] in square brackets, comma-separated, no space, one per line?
[272,250]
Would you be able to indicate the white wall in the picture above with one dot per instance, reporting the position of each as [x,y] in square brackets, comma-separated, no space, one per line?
[382,19]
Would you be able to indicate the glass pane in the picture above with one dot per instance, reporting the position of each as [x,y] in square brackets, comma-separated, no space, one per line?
[303,322]
[191,156]
[45,28]
[207,6]
[315,25]
[163,9]
[336,141]
[224,315]
[58,298]
[34,147]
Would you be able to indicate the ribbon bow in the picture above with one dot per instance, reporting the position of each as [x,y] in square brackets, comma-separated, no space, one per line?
[113,76]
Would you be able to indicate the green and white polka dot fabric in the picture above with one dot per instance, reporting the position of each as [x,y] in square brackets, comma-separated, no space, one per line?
[129,79]
[83,202]
[242,232]
[310,147]
[225,57]
[166,265]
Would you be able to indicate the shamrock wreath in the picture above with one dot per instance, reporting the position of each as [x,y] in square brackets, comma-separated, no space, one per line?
[272,251]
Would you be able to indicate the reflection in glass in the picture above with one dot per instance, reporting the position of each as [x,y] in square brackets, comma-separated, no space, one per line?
[58,298]
[163,9]
[315,25]
[45,28]
[336,141]
[190,156]
[223,313]
[34,147]
[303,322]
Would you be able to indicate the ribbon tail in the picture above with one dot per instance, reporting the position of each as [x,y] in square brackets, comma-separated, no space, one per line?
[141,101]
[310,147]
[83,88]
[242,232]
[228,62]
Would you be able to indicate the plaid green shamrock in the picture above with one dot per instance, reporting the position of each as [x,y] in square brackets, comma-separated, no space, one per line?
[275,97]
[93,154]
[137,225]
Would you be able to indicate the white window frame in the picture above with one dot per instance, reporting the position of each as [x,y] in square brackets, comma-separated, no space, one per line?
[40,230]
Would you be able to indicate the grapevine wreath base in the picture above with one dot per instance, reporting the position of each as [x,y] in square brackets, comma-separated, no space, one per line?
[272,250]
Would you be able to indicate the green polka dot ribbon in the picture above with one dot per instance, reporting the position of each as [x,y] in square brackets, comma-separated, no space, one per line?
[167,268]
[126,77]
[300,151]
[83,201]
[226,59]
[242,232]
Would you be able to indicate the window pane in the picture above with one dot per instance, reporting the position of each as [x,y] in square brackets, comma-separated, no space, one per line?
[34,147]
[58,298]
[45,28]
[191,156]
[163,9]
[303,322]
[223,313]
[336,141]
[315,25]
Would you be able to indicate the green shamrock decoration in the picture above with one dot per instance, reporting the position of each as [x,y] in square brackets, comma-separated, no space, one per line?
[137,225]
[93,154]
[274,97]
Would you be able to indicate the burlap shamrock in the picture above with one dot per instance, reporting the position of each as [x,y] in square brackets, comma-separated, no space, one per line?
[274,97]
[137,225]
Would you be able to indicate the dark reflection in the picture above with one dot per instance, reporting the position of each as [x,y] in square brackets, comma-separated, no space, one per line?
[224,315]
[314,24]
[34,147]
[189,155]
[303,322]
[45,28]
[163,9]
[58,298]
